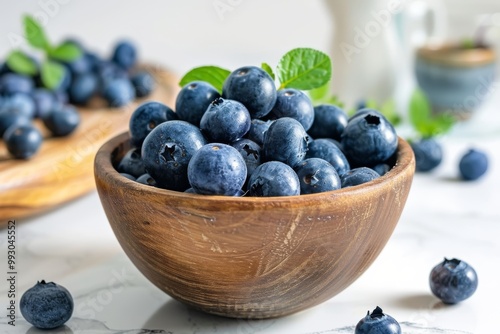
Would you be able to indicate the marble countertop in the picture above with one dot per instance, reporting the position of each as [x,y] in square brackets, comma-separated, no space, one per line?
[444,217]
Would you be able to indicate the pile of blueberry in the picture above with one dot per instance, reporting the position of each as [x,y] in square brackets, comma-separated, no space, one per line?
[255,140]
[24,98]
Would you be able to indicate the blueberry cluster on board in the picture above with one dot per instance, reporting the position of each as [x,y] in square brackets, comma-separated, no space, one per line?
[24,98]
[253,139]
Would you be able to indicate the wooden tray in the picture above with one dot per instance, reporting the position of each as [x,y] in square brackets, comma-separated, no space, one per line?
[63,168]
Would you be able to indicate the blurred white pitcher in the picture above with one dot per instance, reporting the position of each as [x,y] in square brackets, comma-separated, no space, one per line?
[373,43]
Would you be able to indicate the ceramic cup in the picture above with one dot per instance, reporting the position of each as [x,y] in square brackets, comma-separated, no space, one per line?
[455,79]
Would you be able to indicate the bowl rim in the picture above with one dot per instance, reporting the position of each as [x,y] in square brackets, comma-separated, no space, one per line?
[451,54]
[104,169]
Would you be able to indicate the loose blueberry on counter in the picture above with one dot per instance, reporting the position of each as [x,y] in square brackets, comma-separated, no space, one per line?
[285,141]
[273,178]
[369,139]
[257,130]
[473,165]
[253,87]
[46,305]
[166,152]
[118,92]
[193,100]
[217,169]
[63,83]
[250,151]
[125,55]
[317,175]
[131,163]
[107,70]
[428,154]
[83,87]
[329,122]
[225,121]
[295,104]
[62,121]
[23,140]
[143,83]
[453,281]
[147,117]
[377,323]
[12,83]
[358,176]
[147,180]
[19,103]
[44,101]
[326,149]
[8,119]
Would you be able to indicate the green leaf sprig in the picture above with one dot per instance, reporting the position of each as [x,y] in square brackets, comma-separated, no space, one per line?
[388,109]
[424,121]
[300,68]
[51,71]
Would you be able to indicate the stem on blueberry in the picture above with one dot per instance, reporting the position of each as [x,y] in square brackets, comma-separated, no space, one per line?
[377,313]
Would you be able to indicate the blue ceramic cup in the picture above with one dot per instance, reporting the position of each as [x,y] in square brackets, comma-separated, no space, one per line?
[455,79]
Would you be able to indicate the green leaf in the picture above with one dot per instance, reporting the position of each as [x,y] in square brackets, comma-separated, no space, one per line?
[35,34]
[66,51]
[52,73]
[268,69]
[319,94]
[212,74]
[304,69]
[21,63]
[422,119]
[388,109]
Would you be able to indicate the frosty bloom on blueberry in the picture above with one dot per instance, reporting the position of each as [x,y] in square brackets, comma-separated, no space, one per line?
[453,281]
[377,323]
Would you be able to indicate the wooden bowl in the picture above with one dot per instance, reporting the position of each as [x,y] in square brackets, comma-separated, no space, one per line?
[247,257]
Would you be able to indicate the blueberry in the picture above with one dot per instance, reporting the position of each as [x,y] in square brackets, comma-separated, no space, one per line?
[166,152]
[22,141]
[147,180]
[225,121]
[217,169]
[329,122]
[64,82]
[317,175]
[377,323]
[253,87]
[250,151]
[118,92]
[285,141]
[382,168]
[80,65]
[358,176]
[294,104]
[453,281]
[19,103]
[369,139]
[83,87]
[473,165]
[62,121]
[107,71]
[257,130]
[273,178]
[131,163]
[193,100]
[327,150]
[12,83]
[125,54]
[428,154]
[128,176]
[10,118]
[44,100]
[146,117]
[143,82]
[46,305]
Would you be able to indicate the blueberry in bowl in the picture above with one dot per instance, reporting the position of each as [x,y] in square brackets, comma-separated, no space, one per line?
[251,257]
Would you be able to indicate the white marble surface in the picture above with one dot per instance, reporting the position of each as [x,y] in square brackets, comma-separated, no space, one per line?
[444,217]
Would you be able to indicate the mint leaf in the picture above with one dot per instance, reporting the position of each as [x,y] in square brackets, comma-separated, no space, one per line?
[212,74]
[319,94]
[21,63]
[66,51]
[422,119]
[304,69]
[268,69]
[52,73]
[388,109]
[35,34]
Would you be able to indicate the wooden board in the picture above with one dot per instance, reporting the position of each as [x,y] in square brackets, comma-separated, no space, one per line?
[63,168]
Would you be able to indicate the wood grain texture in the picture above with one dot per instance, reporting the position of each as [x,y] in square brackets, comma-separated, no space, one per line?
[63,168]
[252,257]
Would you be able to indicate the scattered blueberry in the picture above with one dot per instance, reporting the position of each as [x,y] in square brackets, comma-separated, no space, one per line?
[358,176]
[8,119]
[217,169]
[119,92]
[428,154]
[377,323]
[326,149]
[329,122]
[285,141]
[12,83]
[62,121]
[83,87]
[317,175]
[19,103]
[44,100]
[473,165]
[131,163]
[253,87]
[143,82]
[295,104]
[22,141]
[46,305]
[453,281]
[125,55]
[193,100]
[146,117]
[273,178]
